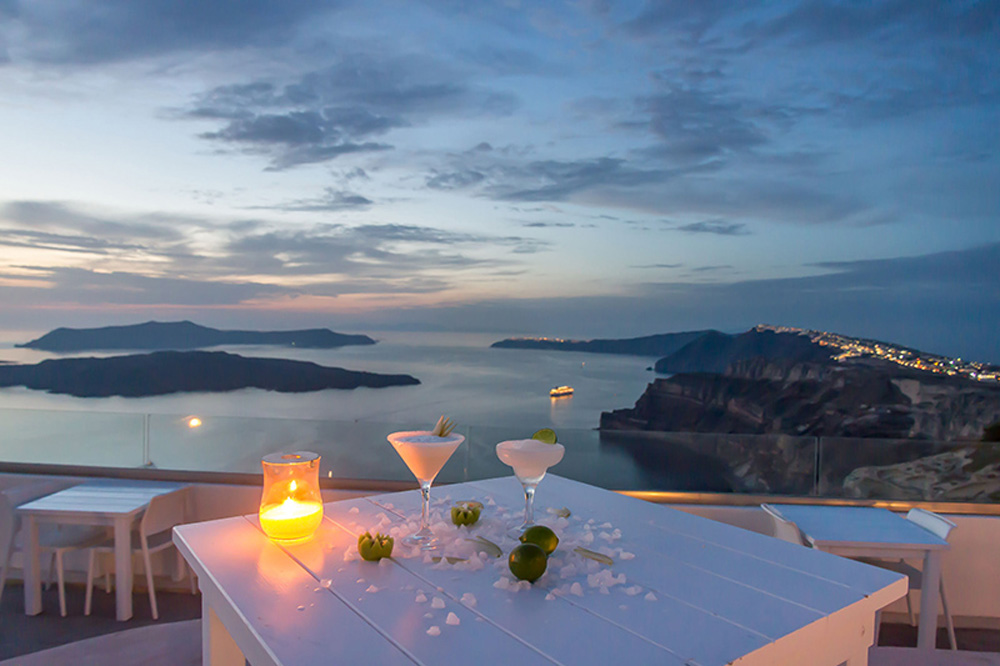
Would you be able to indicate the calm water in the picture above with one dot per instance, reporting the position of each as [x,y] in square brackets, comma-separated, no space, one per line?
[460,376]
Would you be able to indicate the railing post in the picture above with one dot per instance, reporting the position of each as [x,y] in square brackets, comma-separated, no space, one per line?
[816,465]
[146,462]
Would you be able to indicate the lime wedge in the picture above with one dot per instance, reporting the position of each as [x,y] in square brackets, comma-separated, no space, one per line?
[547,435]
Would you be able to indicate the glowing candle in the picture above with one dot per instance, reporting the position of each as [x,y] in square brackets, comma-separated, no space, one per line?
[291,507]
[291,519]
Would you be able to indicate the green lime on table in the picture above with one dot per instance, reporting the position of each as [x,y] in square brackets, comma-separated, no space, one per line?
[547,435]
[541,536]
[527,562]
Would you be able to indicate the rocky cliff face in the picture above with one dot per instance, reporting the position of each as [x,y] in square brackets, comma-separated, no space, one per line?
[759,396]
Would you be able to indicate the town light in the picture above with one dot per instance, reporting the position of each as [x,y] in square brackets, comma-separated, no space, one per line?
[291,507]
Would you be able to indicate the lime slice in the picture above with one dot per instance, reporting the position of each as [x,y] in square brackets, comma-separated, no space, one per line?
[591,555]
[547,435]
[486,546]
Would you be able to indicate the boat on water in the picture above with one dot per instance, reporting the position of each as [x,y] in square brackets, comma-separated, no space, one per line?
[560,391]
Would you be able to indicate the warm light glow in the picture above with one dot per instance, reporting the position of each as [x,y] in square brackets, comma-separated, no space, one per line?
[291,520]
[194,422]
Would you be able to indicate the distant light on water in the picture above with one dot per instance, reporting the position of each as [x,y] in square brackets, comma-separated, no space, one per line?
[194,422]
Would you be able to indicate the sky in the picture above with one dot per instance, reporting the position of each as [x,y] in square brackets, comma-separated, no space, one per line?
[577,169]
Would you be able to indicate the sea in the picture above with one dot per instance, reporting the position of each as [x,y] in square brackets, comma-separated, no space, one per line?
[460,376]
[492,394]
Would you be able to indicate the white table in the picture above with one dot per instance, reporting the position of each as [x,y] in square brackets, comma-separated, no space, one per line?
[103,503]
[854,531]
[717,594]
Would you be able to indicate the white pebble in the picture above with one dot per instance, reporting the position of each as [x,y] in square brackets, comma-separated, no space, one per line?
[301,608]
[453,620]
[469,599]
[632,591]
[550,596]
[522,585]
[502,583]
[627,555]
[421,598]
[434,631]
[326,582]
[650,596]
[360,580]
[385,562]
[576,589]
[428,615]
[354,509]
[371,589]
[605,526]
[603,590]
[437,602]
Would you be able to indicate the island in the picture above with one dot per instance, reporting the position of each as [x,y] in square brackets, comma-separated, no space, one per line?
[180,335]
[164,372]
[650,345]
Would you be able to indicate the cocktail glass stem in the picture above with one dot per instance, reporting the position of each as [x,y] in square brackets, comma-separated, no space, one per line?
[424,537]
[425,507]
[529,510]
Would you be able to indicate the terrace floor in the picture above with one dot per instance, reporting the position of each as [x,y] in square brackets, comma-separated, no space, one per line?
[20,634]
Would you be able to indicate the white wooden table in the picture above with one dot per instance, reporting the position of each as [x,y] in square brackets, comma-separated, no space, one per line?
[697,592]
[854,531]
[107,502]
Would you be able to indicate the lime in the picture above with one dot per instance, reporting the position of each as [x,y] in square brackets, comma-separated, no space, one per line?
[542,537]
[547,435]
[527,562]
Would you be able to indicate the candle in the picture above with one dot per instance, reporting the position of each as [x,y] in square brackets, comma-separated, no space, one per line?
[291,507]
[291,520]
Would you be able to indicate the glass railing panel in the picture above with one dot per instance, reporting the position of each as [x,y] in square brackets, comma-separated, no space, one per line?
[349,449]
[909,469]
[63,437]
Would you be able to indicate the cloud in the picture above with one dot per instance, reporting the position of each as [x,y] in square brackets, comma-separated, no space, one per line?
[80,32]
[558,180]
[332,200]
[718,227]
[455,180]
[323,114]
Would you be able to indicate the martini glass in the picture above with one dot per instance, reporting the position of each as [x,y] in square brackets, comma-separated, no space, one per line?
[425,454]
[530,459]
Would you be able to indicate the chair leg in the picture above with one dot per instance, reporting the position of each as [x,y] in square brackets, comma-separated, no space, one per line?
[909,609]
[90,582]
[947,619]
[107,578]
[62,583]
[6,563]
[149,584]
[878,625]
[52,568]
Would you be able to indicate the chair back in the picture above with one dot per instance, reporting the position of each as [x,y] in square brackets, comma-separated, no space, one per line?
[8,525]
[932,522]
[163,512]
[782,528]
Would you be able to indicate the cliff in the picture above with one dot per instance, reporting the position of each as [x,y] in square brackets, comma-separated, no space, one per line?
[715,351]
[650,345]
[184,335]
[166,372]
[759,396]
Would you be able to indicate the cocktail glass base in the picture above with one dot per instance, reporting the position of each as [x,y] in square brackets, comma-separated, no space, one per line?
[423,539]
[518,527]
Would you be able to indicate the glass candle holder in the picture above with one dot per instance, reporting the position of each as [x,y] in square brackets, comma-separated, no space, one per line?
[291,507]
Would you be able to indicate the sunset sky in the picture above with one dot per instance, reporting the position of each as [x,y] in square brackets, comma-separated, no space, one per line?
[578,169]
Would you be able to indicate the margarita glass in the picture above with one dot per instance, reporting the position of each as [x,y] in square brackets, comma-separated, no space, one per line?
[530,459]
[425,454]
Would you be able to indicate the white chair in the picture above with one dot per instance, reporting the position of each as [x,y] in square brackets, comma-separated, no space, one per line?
[784,529]
[941,527]
[153,535]
[59,539]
